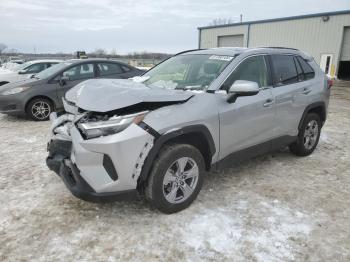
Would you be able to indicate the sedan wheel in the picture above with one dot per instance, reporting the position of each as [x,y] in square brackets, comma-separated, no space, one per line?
[40,109]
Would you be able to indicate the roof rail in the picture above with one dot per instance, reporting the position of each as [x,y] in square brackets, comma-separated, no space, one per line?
[279,47]
[191,50]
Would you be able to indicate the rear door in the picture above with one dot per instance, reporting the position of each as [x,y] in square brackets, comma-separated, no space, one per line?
[290,93]
[75,74]
[248,121]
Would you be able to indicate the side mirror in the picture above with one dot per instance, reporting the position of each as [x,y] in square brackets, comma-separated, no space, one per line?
[242,88]
[22,72]
[63,80]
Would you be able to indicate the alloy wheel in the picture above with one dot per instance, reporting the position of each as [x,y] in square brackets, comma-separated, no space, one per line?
[180,180]
[311,134]
[41,110]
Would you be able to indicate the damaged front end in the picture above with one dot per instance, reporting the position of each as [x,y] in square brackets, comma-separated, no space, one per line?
[99,157]
[99,148]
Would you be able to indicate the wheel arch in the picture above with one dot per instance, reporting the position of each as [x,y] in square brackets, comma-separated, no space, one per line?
[317,108]
[198,136]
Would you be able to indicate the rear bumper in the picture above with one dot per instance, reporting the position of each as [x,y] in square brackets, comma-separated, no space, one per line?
[59,162]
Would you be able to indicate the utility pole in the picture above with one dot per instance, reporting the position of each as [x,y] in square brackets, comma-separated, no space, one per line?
[241,18]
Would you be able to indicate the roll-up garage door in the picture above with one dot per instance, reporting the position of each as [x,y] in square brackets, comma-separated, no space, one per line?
[230,40]
[345,50]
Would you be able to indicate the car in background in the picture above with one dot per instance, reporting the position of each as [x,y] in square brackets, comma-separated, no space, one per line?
[8,66]
[11,63]
[26,70]
[42,94]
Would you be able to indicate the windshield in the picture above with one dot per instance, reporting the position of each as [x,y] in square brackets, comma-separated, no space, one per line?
[195,72]
[52,70]
[18,67]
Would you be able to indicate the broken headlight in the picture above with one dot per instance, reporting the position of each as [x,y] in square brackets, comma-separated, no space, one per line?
[112,125]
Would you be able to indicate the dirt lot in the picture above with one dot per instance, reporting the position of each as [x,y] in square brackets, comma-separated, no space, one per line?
[276,207]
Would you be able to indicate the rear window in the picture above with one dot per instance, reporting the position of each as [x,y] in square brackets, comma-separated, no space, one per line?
[109,69]
[307,69]
[284,70]
[126,68]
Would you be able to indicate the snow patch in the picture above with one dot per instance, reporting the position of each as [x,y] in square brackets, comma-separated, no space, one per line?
[267,227]
[213,230]
[324,137]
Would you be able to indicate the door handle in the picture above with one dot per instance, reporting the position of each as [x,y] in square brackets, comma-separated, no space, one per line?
[306,90]
[268,102]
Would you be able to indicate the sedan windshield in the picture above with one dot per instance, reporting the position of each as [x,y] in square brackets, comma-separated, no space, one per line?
[187,72]
[52,70]
[19,67]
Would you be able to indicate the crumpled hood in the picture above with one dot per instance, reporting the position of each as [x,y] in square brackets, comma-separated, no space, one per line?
[103,95]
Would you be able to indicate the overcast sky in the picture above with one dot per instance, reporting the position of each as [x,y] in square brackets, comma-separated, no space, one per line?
[130,25]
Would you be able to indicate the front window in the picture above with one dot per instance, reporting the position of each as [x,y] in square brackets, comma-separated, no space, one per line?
[84,71]
[19,67]
[251,69]
[188,72]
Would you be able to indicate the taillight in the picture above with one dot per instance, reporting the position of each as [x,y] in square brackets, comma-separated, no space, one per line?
[330,83]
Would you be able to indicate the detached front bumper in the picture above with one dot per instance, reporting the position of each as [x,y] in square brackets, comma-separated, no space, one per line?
[59,162]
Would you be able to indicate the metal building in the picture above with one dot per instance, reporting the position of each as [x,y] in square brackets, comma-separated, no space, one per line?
[325,36]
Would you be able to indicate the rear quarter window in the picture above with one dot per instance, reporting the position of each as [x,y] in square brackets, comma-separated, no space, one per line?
[309,73]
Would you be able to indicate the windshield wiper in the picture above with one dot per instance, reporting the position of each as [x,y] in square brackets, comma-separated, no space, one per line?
[196,87]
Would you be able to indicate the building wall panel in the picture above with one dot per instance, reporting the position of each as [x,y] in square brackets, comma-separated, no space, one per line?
[209,37]
[312,35]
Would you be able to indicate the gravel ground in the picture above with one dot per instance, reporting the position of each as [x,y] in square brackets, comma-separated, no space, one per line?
[277,207]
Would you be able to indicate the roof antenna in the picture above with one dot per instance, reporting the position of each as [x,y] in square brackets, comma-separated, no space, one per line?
[241,18]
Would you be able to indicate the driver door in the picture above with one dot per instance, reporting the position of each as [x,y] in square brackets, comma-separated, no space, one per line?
[249,120]
[75,75]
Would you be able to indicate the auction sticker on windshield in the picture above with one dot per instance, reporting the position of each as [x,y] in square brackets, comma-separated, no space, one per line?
[221,57]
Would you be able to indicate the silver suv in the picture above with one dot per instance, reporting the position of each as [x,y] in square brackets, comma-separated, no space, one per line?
[158,134]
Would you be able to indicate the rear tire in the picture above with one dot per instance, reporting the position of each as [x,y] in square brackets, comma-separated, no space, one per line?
[176,178]
[308,137]
[39,109]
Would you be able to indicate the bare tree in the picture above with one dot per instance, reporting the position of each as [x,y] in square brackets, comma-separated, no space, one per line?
[113,52]
[100,52]
[2,47]
[221,21]
[12,51]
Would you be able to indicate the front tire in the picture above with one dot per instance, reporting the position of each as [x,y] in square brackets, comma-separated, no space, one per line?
[176,178]
[39,109]
[308,137]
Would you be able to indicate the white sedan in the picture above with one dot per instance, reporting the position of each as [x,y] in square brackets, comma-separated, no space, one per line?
[23,71]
